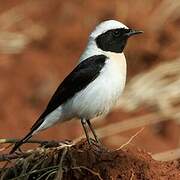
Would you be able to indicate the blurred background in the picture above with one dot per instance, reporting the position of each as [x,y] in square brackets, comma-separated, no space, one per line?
[40,43]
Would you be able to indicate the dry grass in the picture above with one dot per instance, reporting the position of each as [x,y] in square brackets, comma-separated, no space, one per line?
[167,155]
[38,163]
[14,42]
[126,125]
[80,161]
[158,88]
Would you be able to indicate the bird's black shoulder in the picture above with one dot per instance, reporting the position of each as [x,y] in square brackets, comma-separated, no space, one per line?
[83,74]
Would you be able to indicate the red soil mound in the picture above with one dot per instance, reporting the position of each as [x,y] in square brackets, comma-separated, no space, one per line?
[82,161]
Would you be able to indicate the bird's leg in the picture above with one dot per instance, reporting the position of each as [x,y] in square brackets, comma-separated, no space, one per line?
[92,130]
[83,122]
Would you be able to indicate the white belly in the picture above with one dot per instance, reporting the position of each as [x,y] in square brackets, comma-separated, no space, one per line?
[100,96]
[97,98]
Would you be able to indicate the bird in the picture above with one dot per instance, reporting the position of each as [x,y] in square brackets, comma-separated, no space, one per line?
[95,84]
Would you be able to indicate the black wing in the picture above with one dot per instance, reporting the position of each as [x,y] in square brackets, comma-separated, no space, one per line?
[78,79]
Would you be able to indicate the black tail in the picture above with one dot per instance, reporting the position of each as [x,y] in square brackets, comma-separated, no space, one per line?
[36,125]
[22,141]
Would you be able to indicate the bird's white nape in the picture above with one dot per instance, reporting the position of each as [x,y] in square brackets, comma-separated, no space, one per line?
[106,26]
[91,48]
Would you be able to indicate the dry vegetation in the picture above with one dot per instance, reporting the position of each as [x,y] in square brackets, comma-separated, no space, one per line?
[40,42]
[82,161]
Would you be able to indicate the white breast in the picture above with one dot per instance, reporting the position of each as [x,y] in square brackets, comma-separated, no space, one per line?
[97,98]
[101,95]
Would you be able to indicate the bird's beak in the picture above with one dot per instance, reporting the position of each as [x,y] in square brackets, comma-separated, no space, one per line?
[133,32]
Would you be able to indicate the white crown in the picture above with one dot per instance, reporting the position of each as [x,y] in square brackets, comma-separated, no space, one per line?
[105,26]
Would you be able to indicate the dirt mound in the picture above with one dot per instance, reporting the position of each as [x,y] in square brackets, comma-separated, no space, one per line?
[82,161]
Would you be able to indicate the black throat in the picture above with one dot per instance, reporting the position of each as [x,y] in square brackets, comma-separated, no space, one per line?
[113,40]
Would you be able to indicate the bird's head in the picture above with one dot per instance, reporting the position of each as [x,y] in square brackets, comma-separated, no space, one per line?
[112,36]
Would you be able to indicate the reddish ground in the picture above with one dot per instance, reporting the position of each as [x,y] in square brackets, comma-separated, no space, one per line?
[93,163]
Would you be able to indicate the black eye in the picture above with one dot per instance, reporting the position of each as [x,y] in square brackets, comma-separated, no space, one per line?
[116,33]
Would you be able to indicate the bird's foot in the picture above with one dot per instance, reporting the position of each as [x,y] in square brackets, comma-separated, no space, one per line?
[95,146]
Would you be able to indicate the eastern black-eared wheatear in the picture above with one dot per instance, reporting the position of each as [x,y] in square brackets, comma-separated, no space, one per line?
[95,84]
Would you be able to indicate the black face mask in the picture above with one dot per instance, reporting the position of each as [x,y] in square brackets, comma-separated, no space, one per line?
[115,40]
